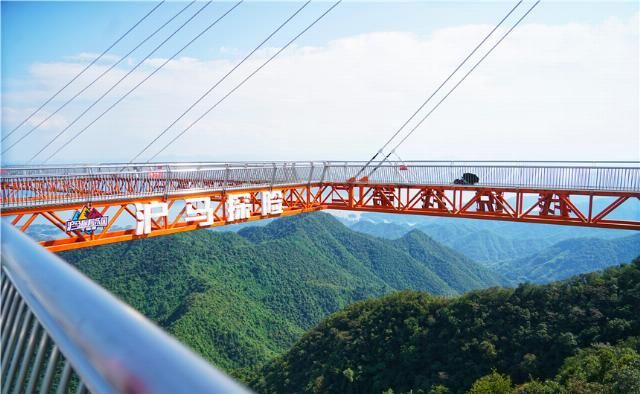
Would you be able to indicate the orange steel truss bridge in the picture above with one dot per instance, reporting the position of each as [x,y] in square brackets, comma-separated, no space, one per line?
[93,205]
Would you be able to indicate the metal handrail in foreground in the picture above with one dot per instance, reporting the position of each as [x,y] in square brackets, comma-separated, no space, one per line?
[60,329]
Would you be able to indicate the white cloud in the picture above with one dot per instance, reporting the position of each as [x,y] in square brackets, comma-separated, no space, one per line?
[55,122]
[86,57]
[558,92]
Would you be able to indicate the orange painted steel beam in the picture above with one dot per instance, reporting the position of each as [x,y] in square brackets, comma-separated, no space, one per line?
[488,203]
[550,207]
[295,200]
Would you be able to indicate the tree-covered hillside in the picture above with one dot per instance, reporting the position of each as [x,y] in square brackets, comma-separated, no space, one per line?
[457,270]
[241,299]
[416,341]
[441,269]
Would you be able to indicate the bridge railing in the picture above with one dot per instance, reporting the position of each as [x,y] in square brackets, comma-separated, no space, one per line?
[62,331]
[35,186]
[601,176]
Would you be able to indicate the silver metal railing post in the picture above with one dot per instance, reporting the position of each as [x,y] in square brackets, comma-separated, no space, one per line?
[324,171]
[167,181]
[226,177]
[91,180]
[311,169]
[273,175]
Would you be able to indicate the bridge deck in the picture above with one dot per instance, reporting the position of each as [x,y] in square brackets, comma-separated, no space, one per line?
[584,194]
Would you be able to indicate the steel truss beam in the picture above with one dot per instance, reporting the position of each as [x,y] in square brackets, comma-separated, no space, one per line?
[548,206]
[295,200]
[518,205]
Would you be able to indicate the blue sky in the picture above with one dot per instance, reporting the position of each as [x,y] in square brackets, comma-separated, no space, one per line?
[68,28]
[39,39]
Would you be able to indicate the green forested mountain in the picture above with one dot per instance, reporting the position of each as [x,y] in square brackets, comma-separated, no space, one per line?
[381,230]
[458,271]
[486,246]
[484,241]
[241,299]
[539,255]
[570,257]
[416,341]
[479,242]
[442,270]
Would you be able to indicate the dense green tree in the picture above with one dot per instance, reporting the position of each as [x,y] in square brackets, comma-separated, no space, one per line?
[599,369]
[602,368]
[494,383]
[415,341]
[438,389]
[538,387]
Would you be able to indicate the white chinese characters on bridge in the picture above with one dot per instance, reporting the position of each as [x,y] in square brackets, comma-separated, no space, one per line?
[199,210]
[146,213]
[238,207]
[271,203]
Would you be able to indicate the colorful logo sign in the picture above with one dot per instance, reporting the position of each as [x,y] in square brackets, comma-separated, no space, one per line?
[87,220]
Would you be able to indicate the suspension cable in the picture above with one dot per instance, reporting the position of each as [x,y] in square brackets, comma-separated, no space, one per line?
[166,129]
[122,79]
[245,80]
[99,77]
[454,87]
[83,70]
[143,81]
[384,146]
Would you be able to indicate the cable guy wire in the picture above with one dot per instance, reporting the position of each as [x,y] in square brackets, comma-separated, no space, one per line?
[246,79]
[455,86]
[83,70]
[95,102]
[384,146]
[163,132]
[98,77]
[143,81]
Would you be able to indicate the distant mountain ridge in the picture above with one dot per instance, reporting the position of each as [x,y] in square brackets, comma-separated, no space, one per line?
[519,251]
[479,244]
[570,257]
